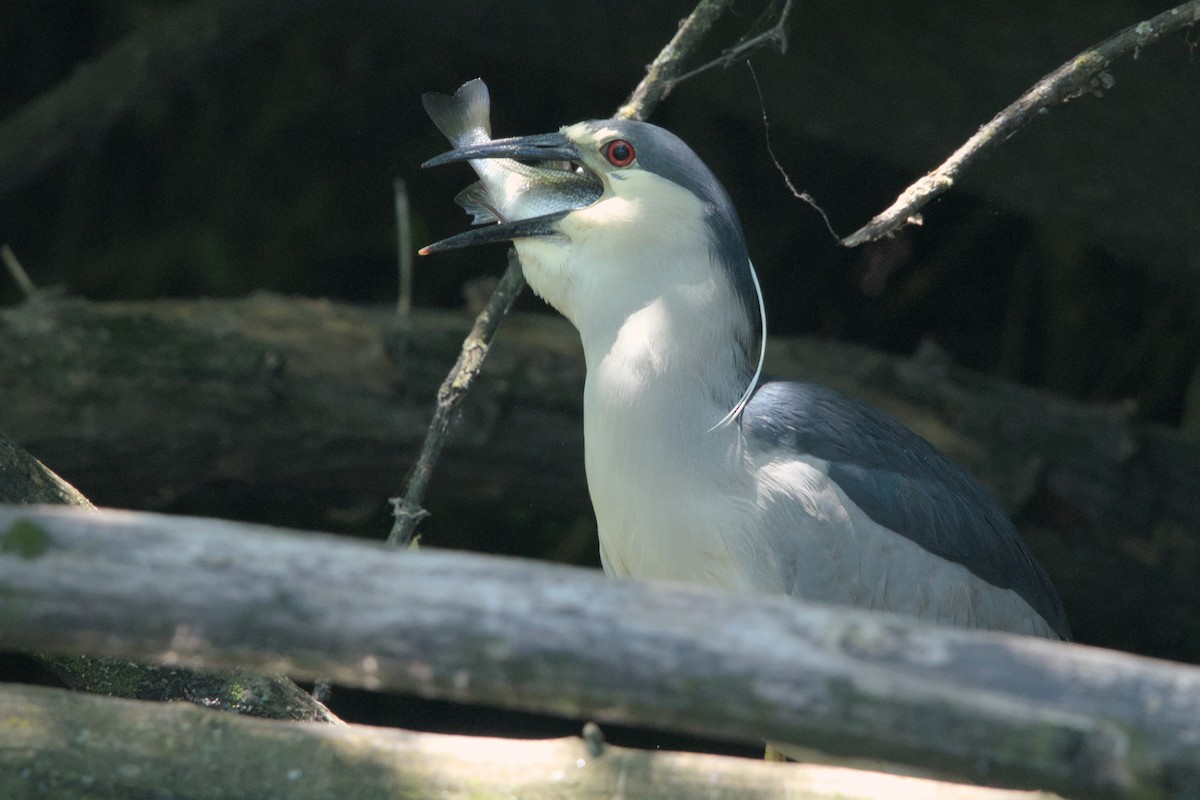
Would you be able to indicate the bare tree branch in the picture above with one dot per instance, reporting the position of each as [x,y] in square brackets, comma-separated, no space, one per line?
[967,705]
[408,512]
[666,67]
[18,273]
[1083,73]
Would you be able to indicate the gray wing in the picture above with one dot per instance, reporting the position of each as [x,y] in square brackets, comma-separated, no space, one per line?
[903,483]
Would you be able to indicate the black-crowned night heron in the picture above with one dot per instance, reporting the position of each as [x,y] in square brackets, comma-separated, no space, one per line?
[699,470]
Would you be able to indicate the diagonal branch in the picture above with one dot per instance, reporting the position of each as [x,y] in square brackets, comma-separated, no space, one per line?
[1083,73]
[663,70]
[407,509]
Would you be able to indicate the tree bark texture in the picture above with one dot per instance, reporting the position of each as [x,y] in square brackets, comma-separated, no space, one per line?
[25,480]
[81,746]
[1002,709]
[306,412]
[141,404]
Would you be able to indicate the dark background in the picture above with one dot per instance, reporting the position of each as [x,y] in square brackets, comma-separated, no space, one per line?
[1068,260]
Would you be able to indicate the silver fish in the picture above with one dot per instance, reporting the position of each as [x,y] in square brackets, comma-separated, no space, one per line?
[508,190]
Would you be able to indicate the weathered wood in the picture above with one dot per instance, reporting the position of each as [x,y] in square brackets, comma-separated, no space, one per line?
[240,691]
[25,480]
[969,705]
[148,404]
[312,410]
[80,746]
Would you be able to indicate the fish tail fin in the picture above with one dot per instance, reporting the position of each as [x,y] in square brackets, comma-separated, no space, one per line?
[457,115]
[476,201]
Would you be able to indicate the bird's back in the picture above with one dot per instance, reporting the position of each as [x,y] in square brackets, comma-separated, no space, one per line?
[877,517]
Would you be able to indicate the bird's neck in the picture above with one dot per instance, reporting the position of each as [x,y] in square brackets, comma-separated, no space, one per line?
[674,365]
[659,474]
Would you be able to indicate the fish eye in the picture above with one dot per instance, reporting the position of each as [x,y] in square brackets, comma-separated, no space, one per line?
[619,153]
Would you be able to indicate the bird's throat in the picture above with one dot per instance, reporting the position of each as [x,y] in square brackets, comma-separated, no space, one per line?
[656,469]
[673,364]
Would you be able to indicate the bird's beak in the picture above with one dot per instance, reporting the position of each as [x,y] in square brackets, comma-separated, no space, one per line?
[500,232]
[556,187]
[541,147]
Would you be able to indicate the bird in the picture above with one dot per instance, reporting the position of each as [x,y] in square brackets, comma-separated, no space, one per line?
[701,469]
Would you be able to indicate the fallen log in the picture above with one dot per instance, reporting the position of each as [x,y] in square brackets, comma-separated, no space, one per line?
[964,705]
[215,756]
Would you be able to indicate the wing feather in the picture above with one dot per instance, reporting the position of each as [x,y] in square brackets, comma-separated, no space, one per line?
[902,483]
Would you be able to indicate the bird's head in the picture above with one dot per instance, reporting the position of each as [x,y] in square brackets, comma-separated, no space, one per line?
[660,222]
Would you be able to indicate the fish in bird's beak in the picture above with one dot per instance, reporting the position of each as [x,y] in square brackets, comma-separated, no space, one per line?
[526,199]
[526,183]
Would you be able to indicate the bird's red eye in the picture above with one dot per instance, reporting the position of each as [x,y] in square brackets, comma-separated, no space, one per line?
[619,153]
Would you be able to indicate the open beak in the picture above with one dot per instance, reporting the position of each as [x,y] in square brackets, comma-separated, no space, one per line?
[554,188]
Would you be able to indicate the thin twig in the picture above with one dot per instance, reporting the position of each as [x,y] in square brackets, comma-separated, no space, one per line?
[660,77]
[407,509]
[775,36]
[404,247]
[1083,73]
[799,195]
[19,275]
